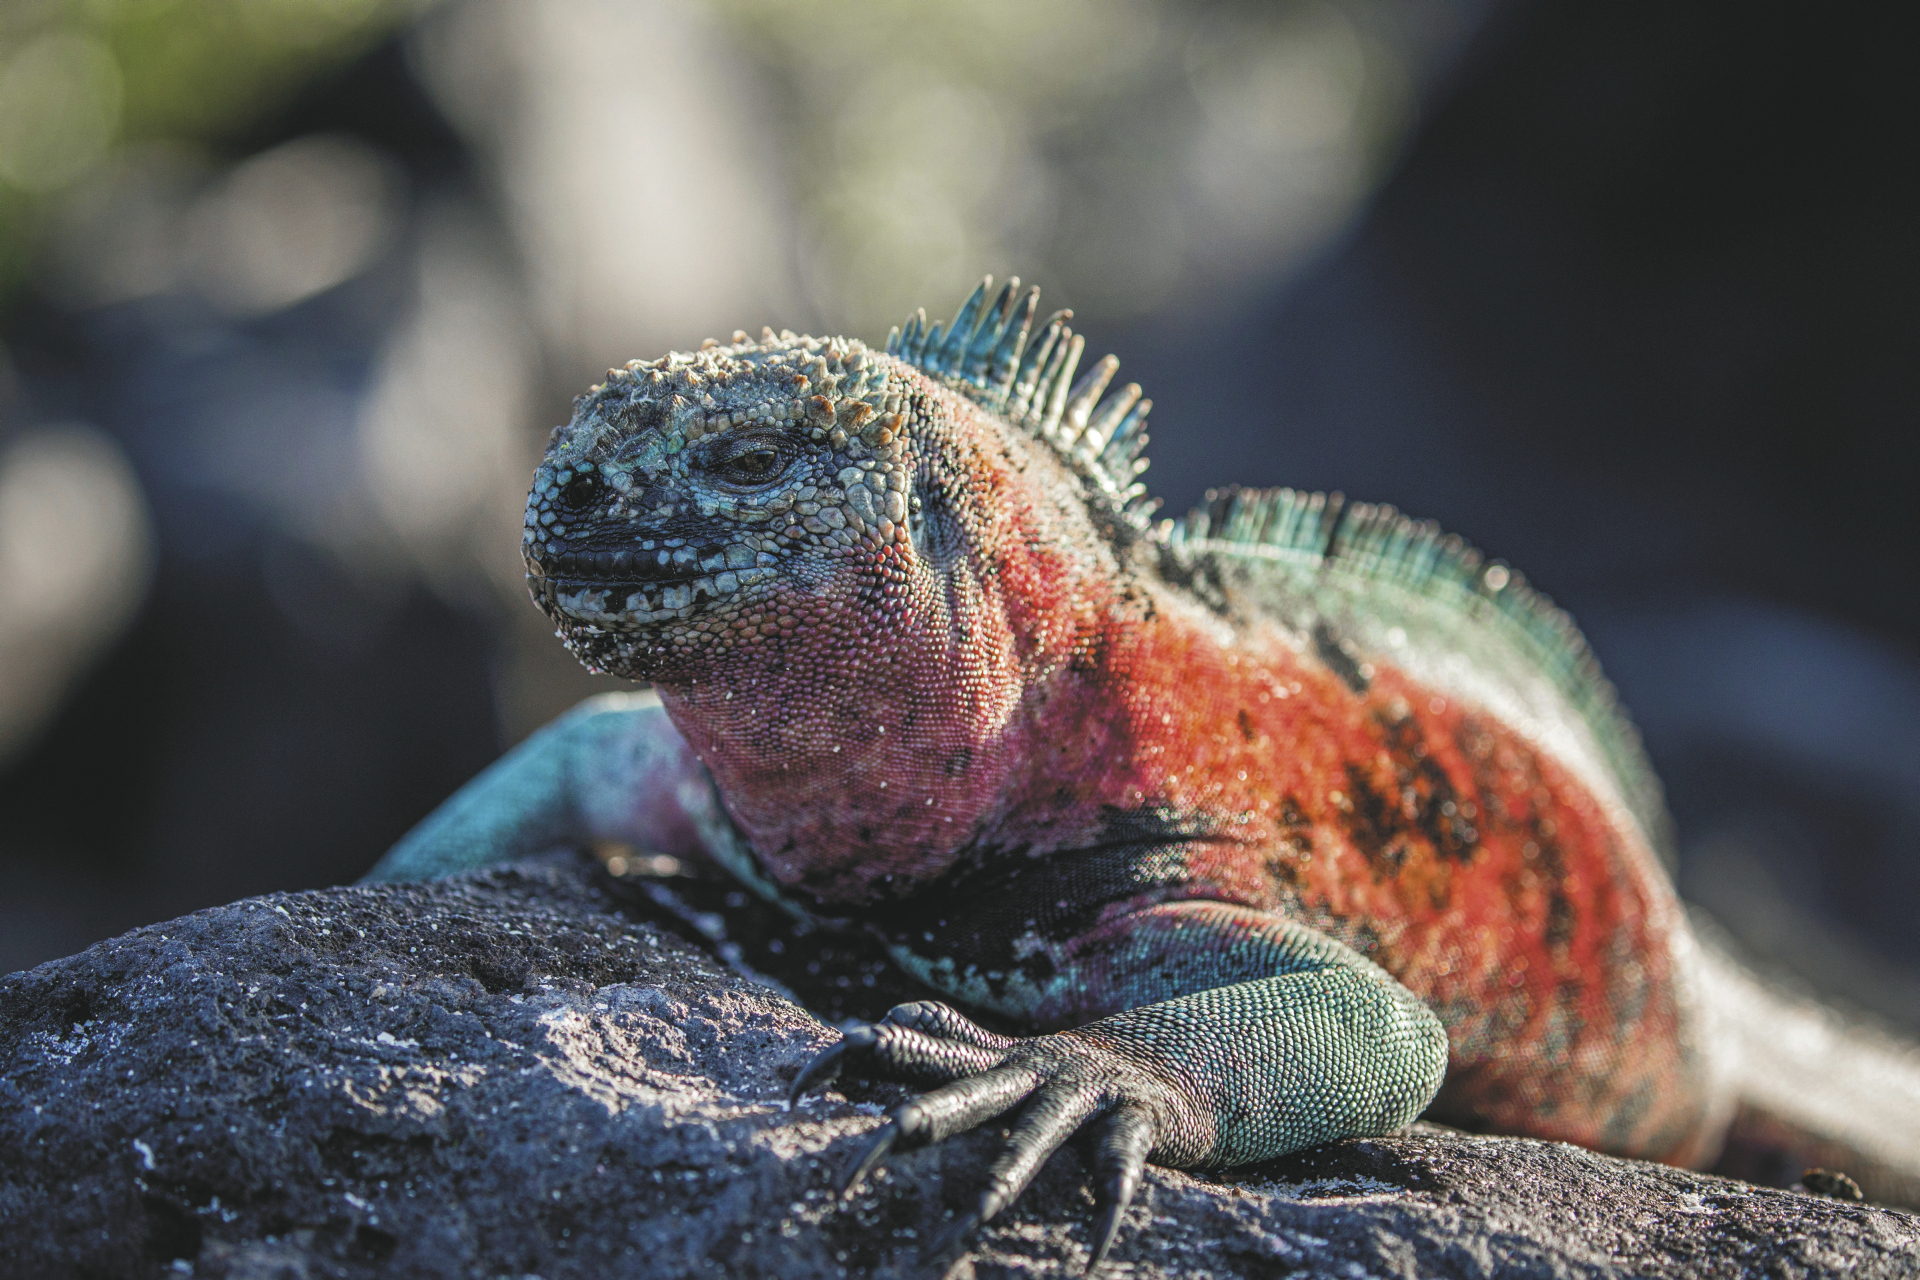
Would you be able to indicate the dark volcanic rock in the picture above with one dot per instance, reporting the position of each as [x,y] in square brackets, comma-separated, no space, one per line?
[506,1075]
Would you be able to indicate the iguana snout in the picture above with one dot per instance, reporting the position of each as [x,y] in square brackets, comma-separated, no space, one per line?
[605,549]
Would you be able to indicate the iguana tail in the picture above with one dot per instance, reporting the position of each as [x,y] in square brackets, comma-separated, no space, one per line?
[1811,1087]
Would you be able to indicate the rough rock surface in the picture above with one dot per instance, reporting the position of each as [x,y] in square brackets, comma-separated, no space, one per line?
[508,1075]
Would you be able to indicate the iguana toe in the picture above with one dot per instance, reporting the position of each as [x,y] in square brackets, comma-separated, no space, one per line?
[1059,1085]
[924,1043]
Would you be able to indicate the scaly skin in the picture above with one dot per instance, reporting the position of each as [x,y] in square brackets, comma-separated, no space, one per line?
[922,666]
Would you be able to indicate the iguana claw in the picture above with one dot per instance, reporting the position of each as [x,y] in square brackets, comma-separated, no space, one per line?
[1060,1084]
[1119,1157]
[824,1068]
[883,1141]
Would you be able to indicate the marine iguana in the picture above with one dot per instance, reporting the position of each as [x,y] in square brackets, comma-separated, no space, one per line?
[1287,821]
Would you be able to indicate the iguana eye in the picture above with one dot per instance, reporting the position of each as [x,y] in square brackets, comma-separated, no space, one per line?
[582,491]
[751,466]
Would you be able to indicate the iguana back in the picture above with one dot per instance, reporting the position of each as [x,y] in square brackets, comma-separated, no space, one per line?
[1368,580]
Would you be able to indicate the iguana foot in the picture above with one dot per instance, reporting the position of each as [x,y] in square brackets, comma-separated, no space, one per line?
[1089,1079]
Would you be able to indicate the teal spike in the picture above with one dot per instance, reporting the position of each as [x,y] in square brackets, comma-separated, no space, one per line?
[920,337]
[1329,507]
[1220,509]
[1200,519]
[1353,541]
[952,356]
[930,349]
[1396,536]
[1270,513]
[1260,515]
[1424,557]
[893,341]
[1286,519]
[1060,383]
[1005,361]
[1034,363]
[1111,412]
[1242,523]
[1300,524]
[1300,519]
[1127,458]
[1401,543]
[1106,417]
[911,339]
[1085,394]
[1127,438]
[1302,531]
[1386,534]
[979,353]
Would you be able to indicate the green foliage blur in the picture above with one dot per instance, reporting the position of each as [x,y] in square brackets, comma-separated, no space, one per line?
[82,78]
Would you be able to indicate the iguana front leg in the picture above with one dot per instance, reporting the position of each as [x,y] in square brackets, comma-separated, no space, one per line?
[613,768]
[1231,1035]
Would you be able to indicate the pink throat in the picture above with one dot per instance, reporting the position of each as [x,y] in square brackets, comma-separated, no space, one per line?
[859,767]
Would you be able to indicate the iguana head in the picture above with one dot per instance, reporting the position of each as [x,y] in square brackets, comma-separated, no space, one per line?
[696,501]
[844,569]
[691,495]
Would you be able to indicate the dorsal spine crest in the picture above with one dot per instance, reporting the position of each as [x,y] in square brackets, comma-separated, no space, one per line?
[990,355]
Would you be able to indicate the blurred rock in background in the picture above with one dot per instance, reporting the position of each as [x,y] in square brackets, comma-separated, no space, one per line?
[293,293]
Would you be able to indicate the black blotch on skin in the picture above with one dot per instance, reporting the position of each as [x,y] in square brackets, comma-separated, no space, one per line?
[1338,657]
[1425,788]
[1377,830]
[1560,913]
[998,893]
[1423,810]
[1284,862]
[1477,746]
[1246,726]
[1292,850]
[1200,576]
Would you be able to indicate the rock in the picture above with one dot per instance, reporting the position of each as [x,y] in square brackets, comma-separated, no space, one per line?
[508,1075]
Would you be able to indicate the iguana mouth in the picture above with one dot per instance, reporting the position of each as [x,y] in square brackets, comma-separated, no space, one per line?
[623,587]
[610,569]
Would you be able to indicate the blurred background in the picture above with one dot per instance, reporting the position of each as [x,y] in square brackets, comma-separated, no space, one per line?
[291,292]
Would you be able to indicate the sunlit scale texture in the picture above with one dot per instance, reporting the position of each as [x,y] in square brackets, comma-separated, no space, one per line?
[951,681]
